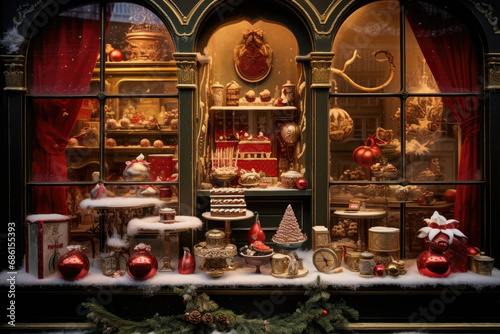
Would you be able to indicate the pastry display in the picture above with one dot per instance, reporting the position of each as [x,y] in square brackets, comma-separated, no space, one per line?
[289,229]
[158,144]
[227,202]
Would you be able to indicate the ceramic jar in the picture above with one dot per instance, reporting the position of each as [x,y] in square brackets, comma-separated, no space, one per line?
[366,264]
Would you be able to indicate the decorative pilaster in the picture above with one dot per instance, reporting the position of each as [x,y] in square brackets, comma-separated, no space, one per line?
[492,71]
[186,69]
[14,72]
[321,63]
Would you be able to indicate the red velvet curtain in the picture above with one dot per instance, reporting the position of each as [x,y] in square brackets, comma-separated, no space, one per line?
[450,52]
[64,57]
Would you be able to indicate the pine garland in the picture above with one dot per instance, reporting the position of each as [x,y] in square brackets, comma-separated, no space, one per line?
[203,316]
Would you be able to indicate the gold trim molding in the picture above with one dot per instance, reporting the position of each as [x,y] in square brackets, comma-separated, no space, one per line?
[487,11]
[186,69]
[14,72]
[321,63]
[357,327]
[492,71]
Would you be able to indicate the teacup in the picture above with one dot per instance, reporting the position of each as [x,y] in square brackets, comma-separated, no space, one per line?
[280,263]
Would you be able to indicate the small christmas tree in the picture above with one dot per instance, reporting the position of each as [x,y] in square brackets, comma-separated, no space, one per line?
[289,230]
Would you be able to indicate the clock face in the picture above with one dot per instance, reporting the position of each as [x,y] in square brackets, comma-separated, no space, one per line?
[325,259]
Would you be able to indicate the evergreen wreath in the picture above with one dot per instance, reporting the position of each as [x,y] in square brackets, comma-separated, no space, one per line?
[202,316]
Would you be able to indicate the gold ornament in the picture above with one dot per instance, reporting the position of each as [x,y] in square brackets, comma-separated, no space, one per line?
[341,124]
[290,133]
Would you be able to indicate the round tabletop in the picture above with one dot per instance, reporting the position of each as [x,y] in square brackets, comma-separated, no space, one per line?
[367,214]
[208,215]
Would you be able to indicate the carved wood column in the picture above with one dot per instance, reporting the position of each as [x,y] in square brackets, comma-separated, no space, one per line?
[492,71]
[187,84]
[13,130]
[321,63]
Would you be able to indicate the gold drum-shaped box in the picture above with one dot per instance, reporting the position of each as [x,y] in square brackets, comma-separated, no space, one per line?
[215,239]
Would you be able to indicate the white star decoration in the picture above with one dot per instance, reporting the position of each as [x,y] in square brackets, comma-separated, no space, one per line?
[424,122]
[441,222]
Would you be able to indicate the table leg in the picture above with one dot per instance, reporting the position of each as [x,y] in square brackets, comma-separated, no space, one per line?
[227,230]
[363,232]
[166,259]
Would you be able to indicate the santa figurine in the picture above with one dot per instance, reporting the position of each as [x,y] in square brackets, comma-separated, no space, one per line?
[137,170]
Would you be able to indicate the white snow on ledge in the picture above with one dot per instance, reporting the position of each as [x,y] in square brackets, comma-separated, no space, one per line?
[153,223]
[120,202]
[245,277]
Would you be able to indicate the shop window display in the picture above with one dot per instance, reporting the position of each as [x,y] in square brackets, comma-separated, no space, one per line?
[439,129]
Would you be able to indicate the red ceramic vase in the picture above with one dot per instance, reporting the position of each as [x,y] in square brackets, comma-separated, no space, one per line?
[256,232]
[187,264]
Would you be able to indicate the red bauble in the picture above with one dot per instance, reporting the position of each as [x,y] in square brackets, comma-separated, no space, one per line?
[74,264]
[324,313]
[472,250]
[449,195]
[142,264]
[379,270]
[187,264]
[256,233]
[116,55]
[301,183]
[433,264]
[365,156]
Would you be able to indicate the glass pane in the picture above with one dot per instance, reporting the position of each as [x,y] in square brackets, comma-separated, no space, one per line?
[139,52]
[142,126]
[364,139]
[444,140]
[250,107]
[65,52]
[64,137]
[352,228]
[371,28]
[441,46]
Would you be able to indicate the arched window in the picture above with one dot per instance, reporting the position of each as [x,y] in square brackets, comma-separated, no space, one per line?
[102,97]
[406,122]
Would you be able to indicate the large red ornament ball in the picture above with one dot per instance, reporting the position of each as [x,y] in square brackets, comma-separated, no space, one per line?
[449,195]
[379,270]
[74,264]
[365,156]
[324,313]
[433,264]
[142,265]
[116,55]
[301,183]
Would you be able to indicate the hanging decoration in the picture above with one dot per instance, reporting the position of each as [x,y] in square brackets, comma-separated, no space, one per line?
[253,58]
[367,155]
[203,315]
[390,61]
[341,123]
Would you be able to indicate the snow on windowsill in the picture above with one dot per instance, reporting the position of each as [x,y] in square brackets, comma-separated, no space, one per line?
[245,277]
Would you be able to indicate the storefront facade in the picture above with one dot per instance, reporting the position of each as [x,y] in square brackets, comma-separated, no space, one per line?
[321,106]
